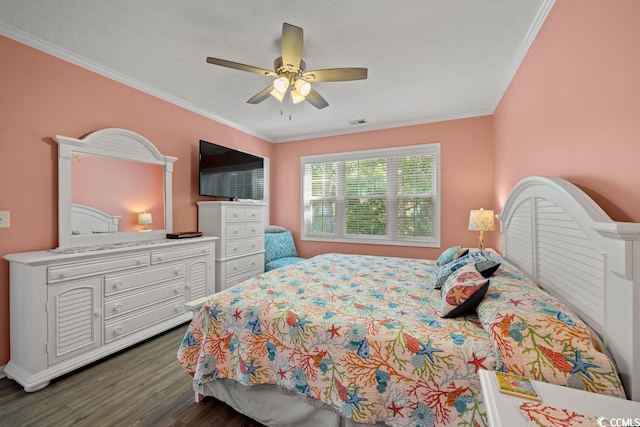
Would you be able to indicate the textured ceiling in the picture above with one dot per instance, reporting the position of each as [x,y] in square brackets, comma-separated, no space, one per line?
[428,60]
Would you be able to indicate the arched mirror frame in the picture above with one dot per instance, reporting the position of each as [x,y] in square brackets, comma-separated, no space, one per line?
[117,144]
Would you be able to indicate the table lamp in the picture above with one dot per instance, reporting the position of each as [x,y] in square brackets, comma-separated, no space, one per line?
[144,219]
[482,220]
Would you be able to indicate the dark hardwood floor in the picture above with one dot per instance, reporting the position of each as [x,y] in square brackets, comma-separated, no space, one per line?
[141,386]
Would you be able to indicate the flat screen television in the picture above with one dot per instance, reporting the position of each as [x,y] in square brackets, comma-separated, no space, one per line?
[228,173]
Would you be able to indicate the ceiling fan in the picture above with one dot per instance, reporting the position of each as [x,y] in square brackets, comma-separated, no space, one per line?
[291,79]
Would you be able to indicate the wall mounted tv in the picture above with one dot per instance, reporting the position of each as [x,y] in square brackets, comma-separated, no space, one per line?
[229,173]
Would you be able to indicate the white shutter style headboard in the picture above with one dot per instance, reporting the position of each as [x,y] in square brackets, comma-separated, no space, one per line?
[566,243]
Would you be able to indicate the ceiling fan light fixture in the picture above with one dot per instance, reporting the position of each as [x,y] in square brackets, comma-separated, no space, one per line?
[277,95]
[291,80]
[303,87]
[296,97]
[281,84]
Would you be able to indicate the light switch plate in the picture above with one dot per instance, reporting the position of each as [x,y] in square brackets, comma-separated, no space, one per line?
[4,219]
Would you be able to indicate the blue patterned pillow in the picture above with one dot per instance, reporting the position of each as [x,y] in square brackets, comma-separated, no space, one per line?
[279,245]
[444,271]
[451,254]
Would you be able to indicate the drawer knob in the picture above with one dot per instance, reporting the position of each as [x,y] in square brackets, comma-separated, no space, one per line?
[179,309]
[178,290]
[159,258]
[178,272]
[117,285]
[117,331]
[118,307]
[65,274]
[97,314]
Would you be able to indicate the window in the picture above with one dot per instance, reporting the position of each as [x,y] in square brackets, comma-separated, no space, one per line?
[388,196]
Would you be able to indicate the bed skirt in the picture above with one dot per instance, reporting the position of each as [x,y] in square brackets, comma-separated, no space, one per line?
[275,406]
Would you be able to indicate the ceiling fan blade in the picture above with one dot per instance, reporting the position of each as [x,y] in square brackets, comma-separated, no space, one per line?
[291,45]
[335,75]
[316,99]
[261,96]
[242,67]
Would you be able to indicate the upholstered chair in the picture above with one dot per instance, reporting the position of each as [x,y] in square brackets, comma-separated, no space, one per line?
[280,249]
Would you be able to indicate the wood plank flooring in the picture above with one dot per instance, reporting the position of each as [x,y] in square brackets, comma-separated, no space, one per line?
[141,386]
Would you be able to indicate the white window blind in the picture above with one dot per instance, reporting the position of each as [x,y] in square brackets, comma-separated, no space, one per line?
[387,196]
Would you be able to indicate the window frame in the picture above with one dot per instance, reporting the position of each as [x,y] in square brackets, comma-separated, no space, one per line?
[432,149]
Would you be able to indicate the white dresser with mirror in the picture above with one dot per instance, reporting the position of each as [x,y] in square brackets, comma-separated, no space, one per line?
[103,289]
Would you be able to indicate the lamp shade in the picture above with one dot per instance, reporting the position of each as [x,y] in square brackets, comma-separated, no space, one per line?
[145,218]
[482,220]
[277,95]
[296,97]
[281,84]
[303,87]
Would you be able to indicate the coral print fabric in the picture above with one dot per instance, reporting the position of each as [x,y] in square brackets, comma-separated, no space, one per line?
[548,416]
[540,338]
[363,335]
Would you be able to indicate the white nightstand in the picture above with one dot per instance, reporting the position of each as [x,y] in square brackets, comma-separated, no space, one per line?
[504,409]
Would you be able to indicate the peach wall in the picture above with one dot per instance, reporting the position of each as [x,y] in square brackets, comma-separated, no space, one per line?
[466,153]
[43,96]
[573,108]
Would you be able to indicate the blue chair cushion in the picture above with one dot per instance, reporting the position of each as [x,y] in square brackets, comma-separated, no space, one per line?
[278,245]
[280,250]
[281,262]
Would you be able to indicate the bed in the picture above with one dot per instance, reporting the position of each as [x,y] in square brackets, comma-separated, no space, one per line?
[88,220]
[352,339]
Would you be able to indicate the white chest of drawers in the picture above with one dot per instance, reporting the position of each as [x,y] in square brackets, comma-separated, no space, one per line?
[240,249]
[71,308]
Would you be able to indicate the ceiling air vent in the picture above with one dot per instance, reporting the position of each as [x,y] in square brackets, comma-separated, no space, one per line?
[358,122]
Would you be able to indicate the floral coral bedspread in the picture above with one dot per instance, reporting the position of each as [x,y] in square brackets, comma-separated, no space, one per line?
[363,335]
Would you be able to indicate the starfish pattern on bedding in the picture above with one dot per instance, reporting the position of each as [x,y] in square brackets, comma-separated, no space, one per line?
[334,331]
[580,365]
[396,409]
[283,374]
[477,362]
[213,312]
[428,350]
[251,368]
[354,399]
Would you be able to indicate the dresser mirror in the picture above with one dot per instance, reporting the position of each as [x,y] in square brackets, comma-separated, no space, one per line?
[114,186]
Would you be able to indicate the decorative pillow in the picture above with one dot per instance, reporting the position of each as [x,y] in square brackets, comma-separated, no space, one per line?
[463,291]
[451,254]
[485,264]
[446,270]
[279,245]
